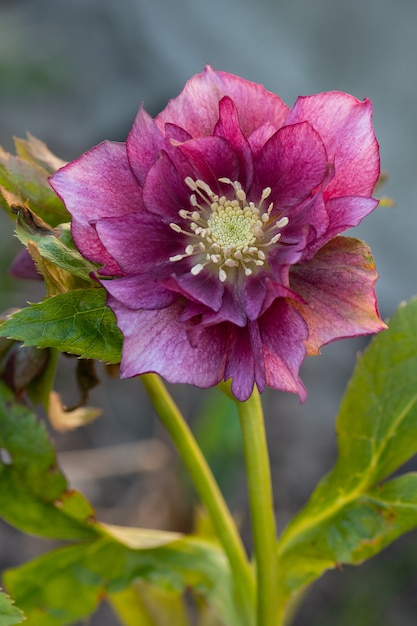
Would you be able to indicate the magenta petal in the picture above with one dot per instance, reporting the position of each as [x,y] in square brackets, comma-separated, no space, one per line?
[337,286]
[211,158]
[258,293]
[245,364]
[138,242]
[260,136]
[89,244]
[292,163]
[156,341]
[229,311]
[343,213]
[345,125]
[178,134]
[140,291]
[348,211]
[98,184]
[283,333]
[204,288]
[196,109]
[23,266]
[228,127]
[143,144]
[164,191]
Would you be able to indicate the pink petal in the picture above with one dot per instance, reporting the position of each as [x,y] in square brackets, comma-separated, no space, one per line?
[283,333]
[260,136]
[292,163]
[23,266]
[245,365]
[343,213]
[178,134]
[156,341]
[228,127]
[90,246]
[259,291]
[345,126]
[140,291]
[98,184]
[229,311]
[143,144]
[196,109]
[211,158]
[205,288]
[138,242]
[337,286]
[164,191]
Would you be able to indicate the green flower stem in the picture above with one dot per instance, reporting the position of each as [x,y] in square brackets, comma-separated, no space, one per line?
[261,507]
[207,489]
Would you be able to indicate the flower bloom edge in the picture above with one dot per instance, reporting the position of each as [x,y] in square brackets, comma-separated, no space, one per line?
[217,225]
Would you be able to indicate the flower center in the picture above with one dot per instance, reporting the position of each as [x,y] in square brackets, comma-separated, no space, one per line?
[227,233]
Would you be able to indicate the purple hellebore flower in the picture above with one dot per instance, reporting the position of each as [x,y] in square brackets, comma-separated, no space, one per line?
[216,226]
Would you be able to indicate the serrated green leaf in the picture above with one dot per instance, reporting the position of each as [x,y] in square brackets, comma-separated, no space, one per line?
[349,517]
[9,613]
[34,494]
[36,151]
[78,322]
[91,571]
[56,246]
[29,182]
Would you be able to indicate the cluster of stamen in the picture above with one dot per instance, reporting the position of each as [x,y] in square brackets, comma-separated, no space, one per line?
[227,233]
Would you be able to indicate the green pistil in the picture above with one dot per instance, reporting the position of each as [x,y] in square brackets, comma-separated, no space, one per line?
[227,233]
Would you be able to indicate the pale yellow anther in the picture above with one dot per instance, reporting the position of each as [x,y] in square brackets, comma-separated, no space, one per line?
[190,183]
[282,222]
[222,276]
[265,193]
[196,269]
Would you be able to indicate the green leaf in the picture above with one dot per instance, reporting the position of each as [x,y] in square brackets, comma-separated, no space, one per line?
[351,516]
[149,606]
[55,245]
[34,494]
[28,181]
[9,614]
[78,322]
[91,571]
[36,151]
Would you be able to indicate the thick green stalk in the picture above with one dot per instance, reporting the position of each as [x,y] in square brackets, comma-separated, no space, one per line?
[207,489]
[261,508]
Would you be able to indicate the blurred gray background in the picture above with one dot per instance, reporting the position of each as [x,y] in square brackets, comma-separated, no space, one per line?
[73,73]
